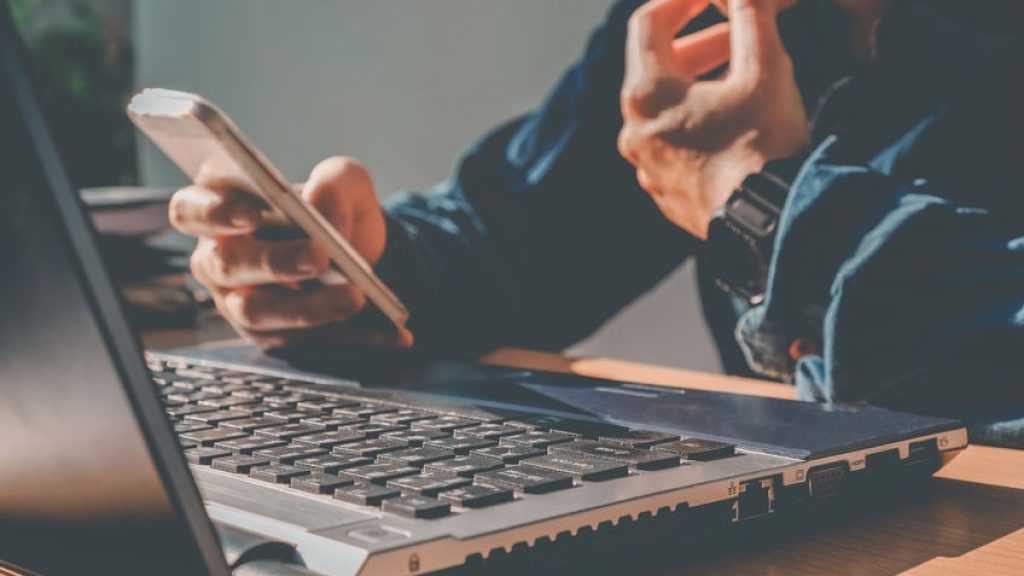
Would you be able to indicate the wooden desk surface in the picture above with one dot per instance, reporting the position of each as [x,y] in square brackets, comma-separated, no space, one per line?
[969,520]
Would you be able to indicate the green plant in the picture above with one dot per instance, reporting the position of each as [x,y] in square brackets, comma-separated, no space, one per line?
[83,72]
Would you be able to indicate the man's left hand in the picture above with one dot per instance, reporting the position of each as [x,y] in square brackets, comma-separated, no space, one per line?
[693,142]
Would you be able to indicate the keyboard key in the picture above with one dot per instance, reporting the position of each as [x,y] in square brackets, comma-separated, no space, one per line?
[223,388]
[699,449]
[373,429]
[264,384]
[331,439]
[250,424]
[287,416]
[183,427]
[460,445]
[640,438]
[183,383]
[290,453]
[467,466]
[380,473]
[415,437]
[569,426]
[226,402]
[371,447]
[331,422]
[250,410]
[291,401]
[490,431]
[526,479]
[238,463]
[212,436]
[508,454]
[365,494]
[416,456]
[181,411]
[277,473]
[321,406]
[321,483]
[579,466]
[476,496]
[364,410]
[428,484]
[289,431]
[538,438]
[640,458]
[186,444]
[332,463]
[204,455]
[444,423]
[254,394]
[416,507]
[215,418]
[250,444]
[402,417]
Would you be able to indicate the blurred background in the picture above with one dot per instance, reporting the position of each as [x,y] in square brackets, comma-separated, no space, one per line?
[402,85]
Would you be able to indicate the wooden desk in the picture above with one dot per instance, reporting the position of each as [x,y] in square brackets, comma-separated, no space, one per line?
[970,520]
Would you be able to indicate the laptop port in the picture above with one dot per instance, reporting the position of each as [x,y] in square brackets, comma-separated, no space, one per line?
[755,498]
[825,481]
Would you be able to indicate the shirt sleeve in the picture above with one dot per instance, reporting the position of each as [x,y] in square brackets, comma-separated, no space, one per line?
[542,232]
[914,293]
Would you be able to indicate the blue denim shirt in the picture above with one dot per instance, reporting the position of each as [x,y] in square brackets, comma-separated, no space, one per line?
[900,251]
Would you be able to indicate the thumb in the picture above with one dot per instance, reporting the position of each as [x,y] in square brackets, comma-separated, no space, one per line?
[755,41]
[342,190]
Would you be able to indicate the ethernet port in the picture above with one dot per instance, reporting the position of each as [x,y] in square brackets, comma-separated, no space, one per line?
[755,498]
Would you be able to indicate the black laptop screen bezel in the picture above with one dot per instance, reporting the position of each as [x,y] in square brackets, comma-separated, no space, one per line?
[107,307]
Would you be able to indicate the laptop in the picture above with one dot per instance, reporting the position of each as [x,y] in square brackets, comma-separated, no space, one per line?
[219,459]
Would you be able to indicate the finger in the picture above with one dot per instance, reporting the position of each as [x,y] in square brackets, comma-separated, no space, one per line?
[650,80]
[755,36]
[652,28]
[234,261]
[342,190]
[201,211]
[274,308]
[334,335]
[701,52]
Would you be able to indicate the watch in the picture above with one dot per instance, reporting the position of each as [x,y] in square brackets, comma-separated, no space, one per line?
[741,233]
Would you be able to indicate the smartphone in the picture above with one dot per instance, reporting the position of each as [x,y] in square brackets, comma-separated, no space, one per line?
[201,140]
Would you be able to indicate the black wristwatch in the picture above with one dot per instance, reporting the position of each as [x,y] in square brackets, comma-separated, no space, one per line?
[741,234]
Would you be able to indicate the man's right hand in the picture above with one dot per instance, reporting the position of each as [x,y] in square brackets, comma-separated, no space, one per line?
[259,285]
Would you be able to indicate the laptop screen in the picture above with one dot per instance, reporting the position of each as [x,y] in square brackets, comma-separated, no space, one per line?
[80,489]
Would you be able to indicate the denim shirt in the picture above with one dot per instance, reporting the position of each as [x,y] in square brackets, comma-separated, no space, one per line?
[900,250]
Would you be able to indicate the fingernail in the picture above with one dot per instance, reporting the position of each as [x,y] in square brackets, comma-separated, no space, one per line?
[240,220]
[304,263]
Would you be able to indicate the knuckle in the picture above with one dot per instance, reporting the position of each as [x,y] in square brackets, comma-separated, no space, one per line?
[626,144]
[243,310]
[350,300]
[177,211]
[649,96]
[342,170]
[223,260]
[641,18]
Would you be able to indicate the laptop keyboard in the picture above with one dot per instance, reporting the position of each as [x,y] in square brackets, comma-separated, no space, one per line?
[399,458]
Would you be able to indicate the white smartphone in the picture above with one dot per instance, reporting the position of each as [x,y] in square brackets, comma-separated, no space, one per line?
[198,137]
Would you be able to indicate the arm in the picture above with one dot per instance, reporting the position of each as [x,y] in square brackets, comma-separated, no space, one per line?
[542,233]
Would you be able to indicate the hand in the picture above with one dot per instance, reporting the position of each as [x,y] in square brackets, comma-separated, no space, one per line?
[258,285]
[693,142]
